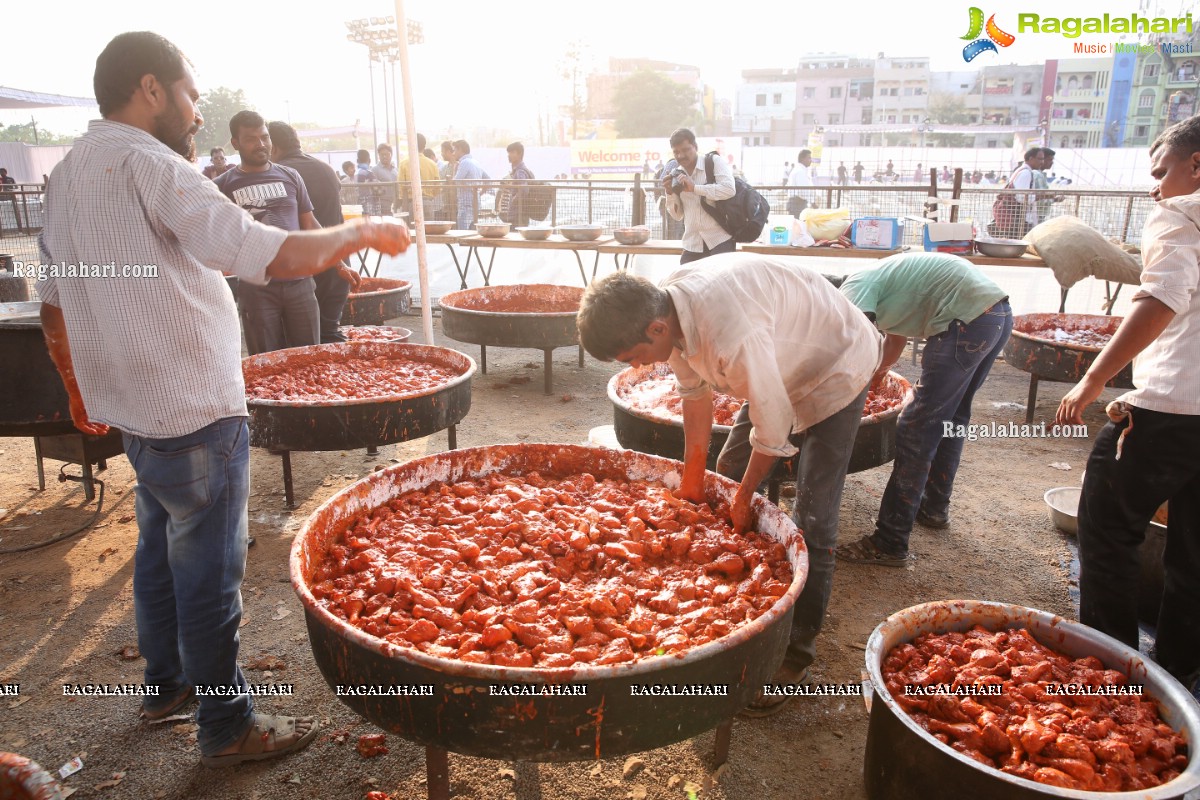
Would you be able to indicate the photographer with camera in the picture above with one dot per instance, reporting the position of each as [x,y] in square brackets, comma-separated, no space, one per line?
[684,182]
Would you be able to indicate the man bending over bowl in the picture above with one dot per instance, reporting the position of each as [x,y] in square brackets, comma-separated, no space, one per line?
[965,320]
[785,340]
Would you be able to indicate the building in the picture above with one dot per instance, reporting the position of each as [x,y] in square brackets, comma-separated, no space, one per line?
[901,94]
[763,106]
[832,90]
[1080,104]
[1164,91]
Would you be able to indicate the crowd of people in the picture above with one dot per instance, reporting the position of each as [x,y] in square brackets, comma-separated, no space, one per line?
[887,173]
[160,360]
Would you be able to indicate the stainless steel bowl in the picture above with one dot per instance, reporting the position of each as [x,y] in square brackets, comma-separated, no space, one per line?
[493,230]
[903,761]
[632,236]
[1063,503]
[581,233]
[1001,248]
[437,227]
[535,234]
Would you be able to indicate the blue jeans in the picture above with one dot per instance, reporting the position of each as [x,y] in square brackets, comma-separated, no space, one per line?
[821,464]
[187,576]
[954,365]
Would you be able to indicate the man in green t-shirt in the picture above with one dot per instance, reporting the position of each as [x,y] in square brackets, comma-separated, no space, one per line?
[965,319]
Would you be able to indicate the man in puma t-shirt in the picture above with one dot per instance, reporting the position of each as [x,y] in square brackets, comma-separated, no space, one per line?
[283,313]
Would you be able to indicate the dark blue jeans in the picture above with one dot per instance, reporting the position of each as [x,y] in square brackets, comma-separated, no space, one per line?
[727,246]
[187,575]
[954,365]
[821,464]
[1158,463]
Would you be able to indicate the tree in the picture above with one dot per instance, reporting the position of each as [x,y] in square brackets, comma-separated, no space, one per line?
[29,133]
[572,69]
[948,109]
[217,107]
[651,104]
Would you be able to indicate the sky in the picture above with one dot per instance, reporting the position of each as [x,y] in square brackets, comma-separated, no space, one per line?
[498,65]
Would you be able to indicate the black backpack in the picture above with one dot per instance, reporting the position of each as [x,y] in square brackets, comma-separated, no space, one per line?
[743,215]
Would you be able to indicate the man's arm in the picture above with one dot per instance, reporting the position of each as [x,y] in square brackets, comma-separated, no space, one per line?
[308,222]
[697,431]
[1145,323]
[756,472]
[308,252]
[722,187]
[893,346]
[54,328]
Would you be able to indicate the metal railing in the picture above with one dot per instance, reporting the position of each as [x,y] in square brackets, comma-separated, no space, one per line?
[1118,214]
[21,208]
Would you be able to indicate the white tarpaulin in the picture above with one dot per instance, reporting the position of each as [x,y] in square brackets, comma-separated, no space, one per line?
[16,99]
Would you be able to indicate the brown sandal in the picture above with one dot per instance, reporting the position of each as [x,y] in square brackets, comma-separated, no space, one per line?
[261,741]
[175,705]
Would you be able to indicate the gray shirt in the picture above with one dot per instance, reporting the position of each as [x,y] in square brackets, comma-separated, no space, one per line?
[154,356]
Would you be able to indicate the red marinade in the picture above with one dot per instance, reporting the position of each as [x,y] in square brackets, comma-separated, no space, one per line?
[1093,742]
[526,571]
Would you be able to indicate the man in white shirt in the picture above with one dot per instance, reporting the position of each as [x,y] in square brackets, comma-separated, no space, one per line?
[782,338]
[801,176]
[1023,178]
[1146,454]
[686,187]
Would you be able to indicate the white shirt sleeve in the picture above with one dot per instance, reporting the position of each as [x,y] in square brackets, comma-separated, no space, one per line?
[722,187]
[1171,271]
[215,231]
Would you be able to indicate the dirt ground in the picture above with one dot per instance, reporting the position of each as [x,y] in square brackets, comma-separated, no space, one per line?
[66,613]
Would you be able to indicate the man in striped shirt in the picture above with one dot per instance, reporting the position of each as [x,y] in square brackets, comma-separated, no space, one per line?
[159,358]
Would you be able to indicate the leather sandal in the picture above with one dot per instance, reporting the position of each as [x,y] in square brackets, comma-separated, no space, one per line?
[865,551]
[180,701]
[261,741]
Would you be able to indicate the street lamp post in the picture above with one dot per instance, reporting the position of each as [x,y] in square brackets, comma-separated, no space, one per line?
[378,35]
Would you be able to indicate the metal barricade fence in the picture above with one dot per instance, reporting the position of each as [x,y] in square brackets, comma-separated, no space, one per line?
[1118,214]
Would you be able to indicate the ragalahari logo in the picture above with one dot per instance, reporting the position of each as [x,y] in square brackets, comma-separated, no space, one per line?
[994,37]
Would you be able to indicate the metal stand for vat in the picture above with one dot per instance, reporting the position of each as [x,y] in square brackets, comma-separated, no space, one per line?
[437,762]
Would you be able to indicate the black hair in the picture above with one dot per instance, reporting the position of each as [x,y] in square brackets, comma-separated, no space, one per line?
[516,147]
[615,312]
[1182,136]
[682,135]
[244,119]
[283,136]
[364,156]
[126,60]
[462,145]
[421,142]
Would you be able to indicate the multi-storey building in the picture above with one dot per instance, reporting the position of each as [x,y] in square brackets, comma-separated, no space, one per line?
[1080,101]
[833,90]
[764,105]
[901,94]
